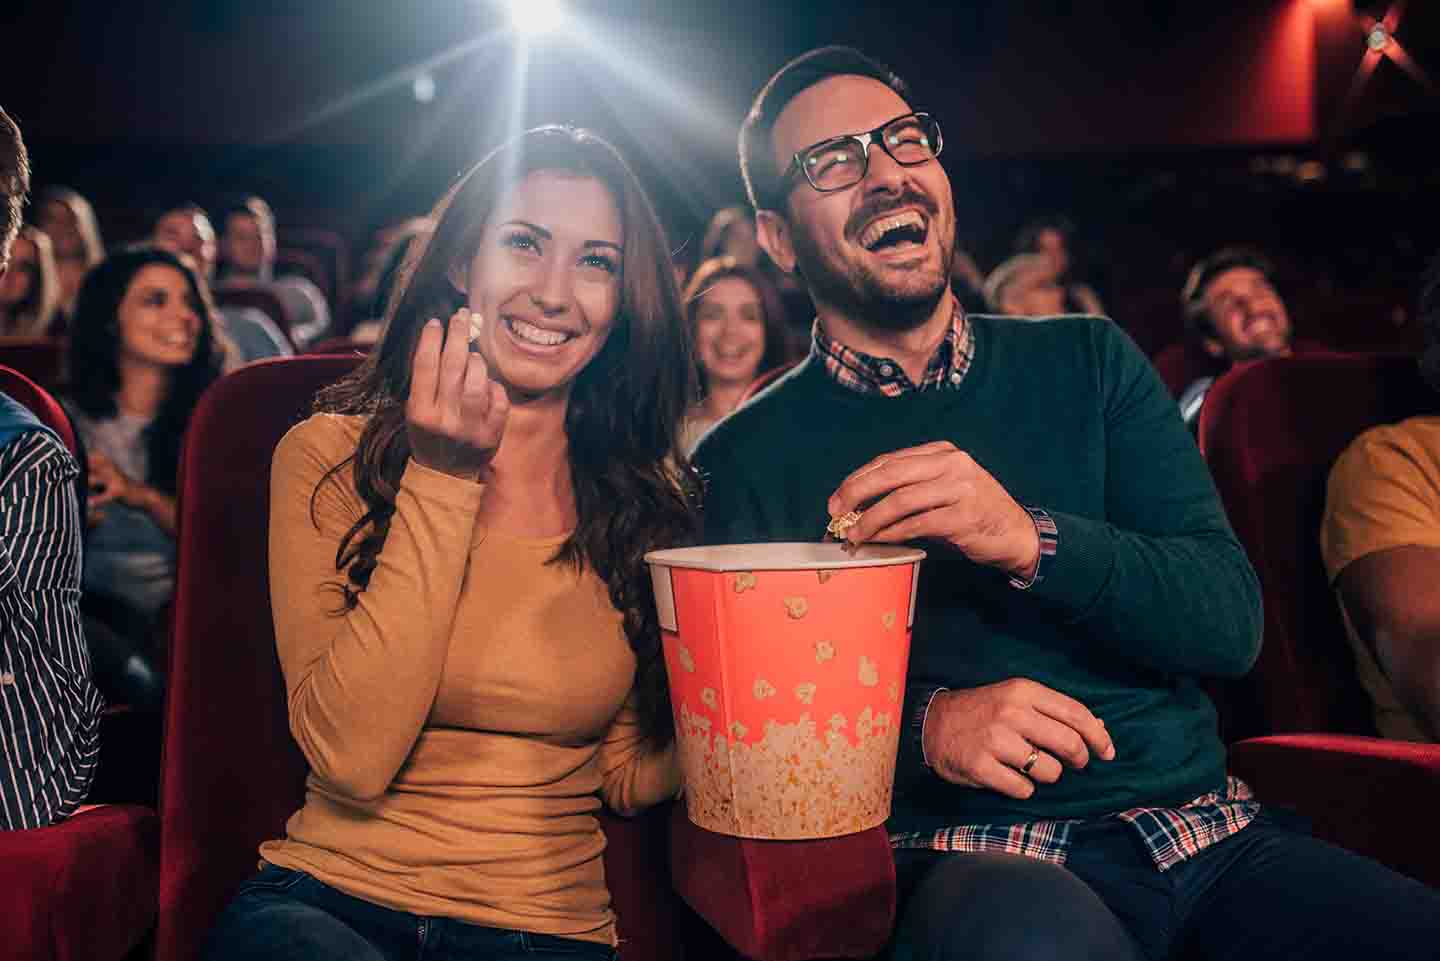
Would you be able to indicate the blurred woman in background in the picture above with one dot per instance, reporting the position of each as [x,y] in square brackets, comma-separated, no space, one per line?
[69,221]
[734,315]
[30,290]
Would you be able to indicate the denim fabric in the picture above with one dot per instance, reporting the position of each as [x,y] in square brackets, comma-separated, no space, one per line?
[1269,892]
[284,915]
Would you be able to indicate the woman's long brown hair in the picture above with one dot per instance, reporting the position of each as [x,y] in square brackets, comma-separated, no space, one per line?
[632,494]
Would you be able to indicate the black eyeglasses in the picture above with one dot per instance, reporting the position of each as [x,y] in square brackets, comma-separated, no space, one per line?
[909,140]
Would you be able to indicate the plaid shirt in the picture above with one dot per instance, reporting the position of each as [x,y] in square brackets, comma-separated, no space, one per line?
[880,375]
[1170,835]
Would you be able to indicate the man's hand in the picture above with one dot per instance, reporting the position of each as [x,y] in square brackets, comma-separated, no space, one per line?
[983,737]
[455,414]
[938,492]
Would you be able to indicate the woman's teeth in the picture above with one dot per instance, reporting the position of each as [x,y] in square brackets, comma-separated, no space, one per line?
[537,335]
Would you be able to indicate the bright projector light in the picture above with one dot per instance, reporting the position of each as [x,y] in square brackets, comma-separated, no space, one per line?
[535,17]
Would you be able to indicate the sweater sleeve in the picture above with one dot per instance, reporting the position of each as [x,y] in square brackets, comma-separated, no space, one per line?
[361,683]
[634,773]
[1161,580]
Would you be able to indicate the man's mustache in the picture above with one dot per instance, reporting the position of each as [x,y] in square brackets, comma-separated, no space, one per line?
[884,205]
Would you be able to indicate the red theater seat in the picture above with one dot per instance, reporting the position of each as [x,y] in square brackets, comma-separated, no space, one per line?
[1271,433]
[42,404]
[231,773]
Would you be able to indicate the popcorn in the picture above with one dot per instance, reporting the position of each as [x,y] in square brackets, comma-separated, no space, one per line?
[824,651]
[839,525]
[869,674]
[805,692]
[711,699]
[888,619]
[797,607]
[744,581]
[894,691]
[824,576]
[738,730]
[763,689]
[687,660]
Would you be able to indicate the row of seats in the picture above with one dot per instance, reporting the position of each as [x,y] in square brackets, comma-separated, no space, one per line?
[232,775]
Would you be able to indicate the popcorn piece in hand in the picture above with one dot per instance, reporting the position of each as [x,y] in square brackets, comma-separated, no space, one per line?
[839,525]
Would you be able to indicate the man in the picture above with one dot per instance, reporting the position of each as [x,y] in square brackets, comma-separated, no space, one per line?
[1232,308]
[1381,543]
[1061,790]
[49,709]
[187,230]
[247,259]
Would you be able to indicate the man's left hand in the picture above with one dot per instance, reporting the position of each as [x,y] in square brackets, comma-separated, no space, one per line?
[938,492]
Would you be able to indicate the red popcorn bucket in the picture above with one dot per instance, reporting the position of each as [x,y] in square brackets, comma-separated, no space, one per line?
[787,674]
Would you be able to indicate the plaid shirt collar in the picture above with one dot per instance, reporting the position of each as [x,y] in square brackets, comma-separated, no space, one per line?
[865,374]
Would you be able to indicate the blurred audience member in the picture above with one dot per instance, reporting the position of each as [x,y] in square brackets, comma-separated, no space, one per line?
[247,259]
[731,233]
[371,293]
[30,290]
[1053,237]
[49,709]
[968,282]
[187,230]
[1025,286]
[69,221]
[144,346]
[1381,543]
[734,315]
[1232,308]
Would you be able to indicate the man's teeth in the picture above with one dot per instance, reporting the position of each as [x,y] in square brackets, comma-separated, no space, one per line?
[872,234]
[538,335]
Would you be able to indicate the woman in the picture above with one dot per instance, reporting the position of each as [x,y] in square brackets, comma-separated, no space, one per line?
[463,613]
[143,347]
[734,315]
[69,220]
[30,289]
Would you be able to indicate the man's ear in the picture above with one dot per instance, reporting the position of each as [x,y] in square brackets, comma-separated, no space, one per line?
[1213,347]
[773,232]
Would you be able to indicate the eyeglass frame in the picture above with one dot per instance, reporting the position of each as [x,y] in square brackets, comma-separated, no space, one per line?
[865,140]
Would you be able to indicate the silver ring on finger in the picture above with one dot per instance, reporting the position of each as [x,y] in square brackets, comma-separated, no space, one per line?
[1030,761]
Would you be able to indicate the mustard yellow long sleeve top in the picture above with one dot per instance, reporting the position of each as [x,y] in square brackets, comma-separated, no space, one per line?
[464,721]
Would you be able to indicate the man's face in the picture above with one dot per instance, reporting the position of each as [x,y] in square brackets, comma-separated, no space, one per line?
[244,244]
[188,232]
[1247,315]
[837,239]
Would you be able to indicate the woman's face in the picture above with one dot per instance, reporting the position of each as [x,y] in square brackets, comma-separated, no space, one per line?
[730,332]
[159,318]
[23,274]
[59,222]
[545,281]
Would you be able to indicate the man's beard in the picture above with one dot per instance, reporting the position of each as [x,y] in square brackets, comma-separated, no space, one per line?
[863,294]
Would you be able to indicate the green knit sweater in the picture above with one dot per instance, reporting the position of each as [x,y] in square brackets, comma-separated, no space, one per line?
[1148,592]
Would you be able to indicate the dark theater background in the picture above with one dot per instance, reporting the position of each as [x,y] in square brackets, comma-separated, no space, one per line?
[1161,128]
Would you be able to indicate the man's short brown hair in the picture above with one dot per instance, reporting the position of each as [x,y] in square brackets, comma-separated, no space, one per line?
[757,166]
[14,184]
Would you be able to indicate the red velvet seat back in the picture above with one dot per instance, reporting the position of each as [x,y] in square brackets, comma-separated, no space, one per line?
[1271,433]
[42,359]
[45,407]
[231,774]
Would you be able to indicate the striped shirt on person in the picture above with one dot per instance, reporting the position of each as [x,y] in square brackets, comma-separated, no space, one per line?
[49,707]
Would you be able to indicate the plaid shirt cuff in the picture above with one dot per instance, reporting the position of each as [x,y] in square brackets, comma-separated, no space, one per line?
[1049,543]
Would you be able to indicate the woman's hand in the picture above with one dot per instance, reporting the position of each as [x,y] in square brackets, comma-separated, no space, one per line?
[455,414]
[107,483]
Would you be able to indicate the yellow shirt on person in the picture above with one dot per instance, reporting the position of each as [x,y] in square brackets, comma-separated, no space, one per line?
[464,721]
[1384,492]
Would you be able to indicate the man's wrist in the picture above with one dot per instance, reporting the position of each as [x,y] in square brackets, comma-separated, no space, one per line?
[919,715]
